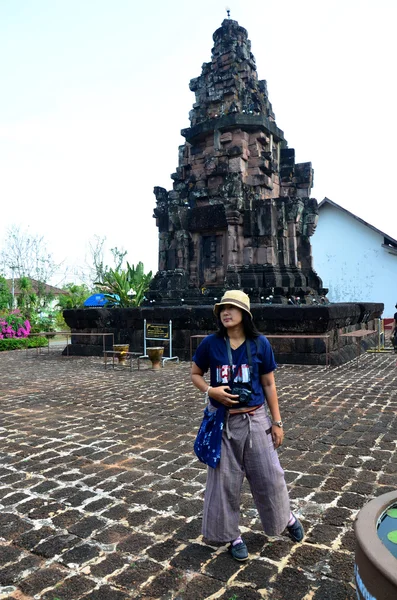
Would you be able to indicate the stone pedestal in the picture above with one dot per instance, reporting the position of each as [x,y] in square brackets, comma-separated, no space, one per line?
[332,319]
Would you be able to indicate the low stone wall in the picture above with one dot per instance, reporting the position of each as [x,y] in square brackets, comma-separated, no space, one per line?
[127,326]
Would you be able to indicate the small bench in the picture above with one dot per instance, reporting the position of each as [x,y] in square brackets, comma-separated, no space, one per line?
[359,334]
[69,334]
[304,336]
[129,356]
[298,336]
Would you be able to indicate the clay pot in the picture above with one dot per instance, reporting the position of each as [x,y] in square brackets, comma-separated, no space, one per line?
[121,349]
[155,354]
[375,566]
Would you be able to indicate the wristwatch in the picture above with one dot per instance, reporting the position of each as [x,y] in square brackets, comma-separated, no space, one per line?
[278,423]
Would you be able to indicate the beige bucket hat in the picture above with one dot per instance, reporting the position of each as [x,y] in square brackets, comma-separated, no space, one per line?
[236,298]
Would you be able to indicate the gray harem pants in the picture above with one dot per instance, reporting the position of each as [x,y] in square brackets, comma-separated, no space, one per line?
[247,450]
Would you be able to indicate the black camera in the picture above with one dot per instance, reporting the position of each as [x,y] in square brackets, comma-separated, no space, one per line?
[244,394]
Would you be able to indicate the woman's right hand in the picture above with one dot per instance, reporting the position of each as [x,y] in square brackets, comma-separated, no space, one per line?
[222,394]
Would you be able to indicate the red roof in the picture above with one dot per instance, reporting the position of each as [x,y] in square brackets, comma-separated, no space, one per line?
[36,285]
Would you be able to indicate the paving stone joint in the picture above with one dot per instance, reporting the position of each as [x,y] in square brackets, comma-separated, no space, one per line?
[101,493]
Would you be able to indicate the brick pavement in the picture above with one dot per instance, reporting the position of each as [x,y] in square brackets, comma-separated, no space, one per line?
[101,495]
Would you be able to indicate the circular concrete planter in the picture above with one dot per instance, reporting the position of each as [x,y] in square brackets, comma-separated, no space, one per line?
[375,566]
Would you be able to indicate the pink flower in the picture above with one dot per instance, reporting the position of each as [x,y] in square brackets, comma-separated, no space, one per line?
[14,328]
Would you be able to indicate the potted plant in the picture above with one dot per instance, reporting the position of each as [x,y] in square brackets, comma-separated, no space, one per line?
[375,566]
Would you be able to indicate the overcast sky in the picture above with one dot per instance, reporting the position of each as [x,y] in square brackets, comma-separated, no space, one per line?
[95,93]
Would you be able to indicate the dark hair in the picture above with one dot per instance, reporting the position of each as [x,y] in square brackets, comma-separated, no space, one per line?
[250,329]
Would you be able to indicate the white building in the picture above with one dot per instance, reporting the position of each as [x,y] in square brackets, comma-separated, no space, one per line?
[356,261]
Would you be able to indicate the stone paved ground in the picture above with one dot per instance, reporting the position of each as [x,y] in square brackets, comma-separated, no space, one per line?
[101,495]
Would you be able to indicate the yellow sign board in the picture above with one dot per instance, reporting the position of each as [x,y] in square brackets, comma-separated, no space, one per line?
[153,330]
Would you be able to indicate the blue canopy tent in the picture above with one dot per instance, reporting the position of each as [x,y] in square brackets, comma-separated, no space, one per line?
[98,300]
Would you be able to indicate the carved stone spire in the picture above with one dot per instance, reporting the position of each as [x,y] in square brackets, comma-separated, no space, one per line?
[229,83]
[240,213]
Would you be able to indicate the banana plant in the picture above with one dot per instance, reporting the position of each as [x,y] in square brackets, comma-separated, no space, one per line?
[128,284]
[73,297]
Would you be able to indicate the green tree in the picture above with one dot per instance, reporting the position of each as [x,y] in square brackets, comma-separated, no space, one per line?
[27,299]
[34,302]
[5,294]
[75,296]
[129,285]
[44,298]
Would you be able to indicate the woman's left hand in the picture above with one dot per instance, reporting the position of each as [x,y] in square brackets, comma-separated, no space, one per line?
[277,435]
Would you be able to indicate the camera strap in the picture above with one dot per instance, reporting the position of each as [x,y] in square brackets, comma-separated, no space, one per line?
[229,355]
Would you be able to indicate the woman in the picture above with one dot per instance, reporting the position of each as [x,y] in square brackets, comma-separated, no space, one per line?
[249,438]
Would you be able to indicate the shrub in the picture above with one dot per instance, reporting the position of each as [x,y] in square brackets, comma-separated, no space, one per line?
[13,325]
[13,344]
[60,323]
[36,341]
[43,324]
[18,343]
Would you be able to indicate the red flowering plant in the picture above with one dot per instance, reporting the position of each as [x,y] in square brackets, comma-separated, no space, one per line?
[13,325]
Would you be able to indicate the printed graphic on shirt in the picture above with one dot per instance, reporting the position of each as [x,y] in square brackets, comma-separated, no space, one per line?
[223,374]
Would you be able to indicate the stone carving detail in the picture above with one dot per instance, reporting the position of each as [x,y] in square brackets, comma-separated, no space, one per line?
[240,212]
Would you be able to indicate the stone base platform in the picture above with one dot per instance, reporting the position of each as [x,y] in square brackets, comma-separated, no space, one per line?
[333,320]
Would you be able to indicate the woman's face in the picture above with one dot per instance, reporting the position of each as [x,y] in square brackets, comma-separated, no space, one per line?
[230,315]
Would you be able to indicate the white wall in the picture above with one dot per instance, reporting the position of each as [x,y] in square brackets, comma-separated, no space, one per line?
[349,258]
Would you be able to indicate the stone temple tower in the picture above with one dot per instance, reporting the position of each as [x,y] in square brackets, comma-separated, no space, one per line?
[239,216]
[240,213]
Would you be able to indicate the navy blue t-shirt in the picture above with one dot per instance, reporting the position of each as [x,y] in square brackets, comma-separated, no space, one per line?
[212,354]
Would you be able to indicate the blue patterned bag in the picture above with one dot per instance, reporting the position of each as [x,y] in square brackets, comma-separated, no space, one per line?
[207,446]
